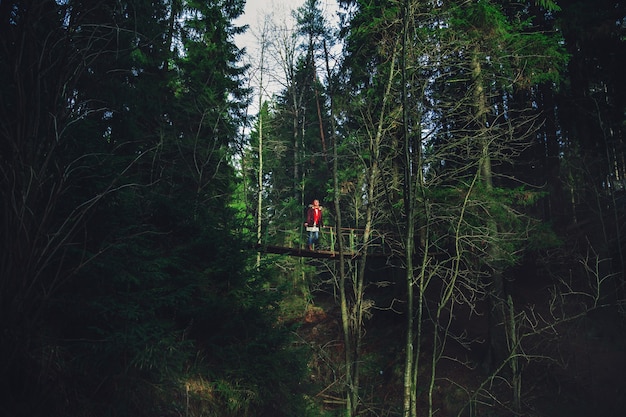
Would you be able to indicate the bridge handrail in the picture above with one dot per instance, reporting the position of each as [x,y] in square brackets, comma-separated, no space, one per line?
[379,241]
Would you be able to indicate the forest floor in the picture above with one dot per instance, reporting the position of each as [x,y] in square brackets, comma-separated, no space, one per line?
[575,369]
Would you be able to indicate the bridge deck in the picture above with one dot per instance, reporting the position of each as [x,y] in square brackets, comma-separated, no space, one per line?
[292,242]
[303,253]
[318,254]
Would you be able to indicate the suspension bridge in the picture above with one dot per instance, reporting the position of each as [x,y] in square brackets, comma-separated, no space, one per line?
[292,242]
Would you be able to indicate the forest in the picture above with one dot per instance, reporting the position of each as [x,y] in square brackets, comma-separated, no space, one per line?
[470,161]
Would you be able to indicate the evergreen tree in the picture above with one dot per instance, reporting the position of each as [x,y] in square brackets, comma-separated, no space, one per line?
[590,117]
[126,289]
[461,65]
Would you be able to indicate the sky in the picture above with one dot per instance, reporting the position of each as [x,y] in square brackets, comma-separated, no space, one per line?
[281,11]
[256,9]
[254,14]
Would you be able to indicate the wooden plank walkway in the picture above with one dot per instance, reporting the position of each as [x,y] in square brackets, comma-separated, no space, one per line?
[381,245]
[304,253]
[317,254]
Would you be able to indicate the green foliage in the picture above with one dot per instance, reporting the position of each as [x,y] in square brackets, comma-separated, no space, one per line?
[549,5]
[127,287]
[511,43]
[516,231]
[150,283]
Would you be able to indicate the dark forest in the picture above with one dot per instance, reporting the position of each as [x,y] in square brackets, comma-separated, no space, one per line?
[155,179]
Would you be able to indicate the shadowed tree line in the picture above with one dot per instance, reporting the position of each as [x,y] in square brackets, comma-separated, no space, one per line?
[478,134]
[124,288]
[485,136]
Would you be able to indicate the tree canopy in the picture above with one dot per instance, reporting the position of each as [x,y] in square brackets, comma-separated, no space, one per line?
[480,143]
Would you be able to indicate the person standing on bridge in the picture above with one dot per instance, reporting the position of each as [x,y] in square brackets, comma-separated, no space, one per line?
[313,223]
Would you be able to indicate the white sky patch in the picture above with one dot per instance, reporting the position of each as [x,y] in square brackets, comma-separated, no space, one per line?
[281,12]
[255,12]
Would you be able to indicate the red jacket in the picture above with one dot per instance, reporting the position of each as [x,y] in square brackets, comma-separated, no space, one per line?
[313,218]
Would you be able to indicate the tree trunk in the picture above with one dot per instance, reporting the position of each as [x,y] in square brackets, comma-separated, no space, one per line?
[259,218]
[410,391]
[495,288]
